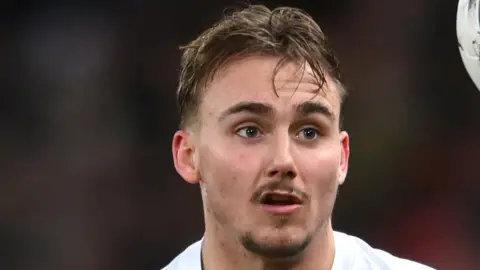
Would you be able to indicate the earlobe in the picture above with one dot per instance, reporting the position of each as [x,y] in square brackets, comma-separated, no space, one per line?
[345,155]
[183,157]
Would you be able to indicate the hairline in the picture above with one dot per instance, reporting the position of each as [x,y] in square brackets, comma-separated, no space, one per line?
[192,120]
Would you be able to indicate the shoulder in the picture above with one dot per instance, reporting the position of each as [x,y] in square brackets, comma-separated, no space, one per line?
[354,253]
[188,259]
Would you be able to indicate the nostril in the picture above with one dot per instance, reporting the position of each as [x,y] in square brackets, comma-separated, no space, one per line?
[273,173]
[290,174]
[287,174]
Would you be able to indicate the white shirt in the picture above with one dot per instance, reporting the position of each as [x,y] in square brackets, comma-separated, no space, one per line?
[351,253]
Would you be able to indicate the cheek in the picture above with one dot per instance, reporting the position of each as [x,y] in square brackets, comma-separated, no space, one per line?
[319,169]
[226,183]
[229,158]
[320,181]
[320,164]
[225,172]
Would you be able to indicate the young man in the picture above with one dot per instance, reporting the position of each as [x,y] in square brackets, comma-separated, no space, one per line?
[260,101]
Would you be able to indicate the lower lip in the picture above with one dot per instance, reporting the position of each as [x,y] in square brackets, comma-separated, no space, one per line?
[280,209]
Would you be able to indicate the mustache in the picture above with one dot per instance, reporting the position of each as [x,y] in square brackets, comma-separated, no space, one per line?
[283,185]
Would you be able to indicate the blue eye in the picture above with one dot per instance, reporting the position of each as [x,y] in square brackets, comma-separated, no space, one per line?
[309,133]
[249,132]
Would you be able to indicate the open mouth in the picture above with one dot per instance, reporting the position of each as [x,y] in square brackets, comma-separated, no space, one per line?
[280,199]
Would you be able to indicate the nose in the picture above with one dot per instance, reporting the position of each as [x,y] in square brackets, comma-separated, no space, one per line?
[281,163]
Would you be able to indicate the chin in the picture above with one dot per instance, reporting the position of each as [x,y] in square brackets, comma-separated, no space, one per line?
[277,243]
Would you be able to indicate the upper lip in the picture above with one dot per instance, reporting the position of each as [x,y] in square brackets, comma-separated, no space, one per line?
[288,195]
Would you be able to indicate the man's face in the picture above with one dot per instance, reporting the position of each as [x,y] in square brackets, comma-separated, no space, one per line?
[269,163]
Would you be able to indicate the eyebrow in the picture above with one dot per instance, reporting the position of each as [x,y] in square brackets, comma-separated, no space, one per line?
[258,108]
[312,107]
[249,107]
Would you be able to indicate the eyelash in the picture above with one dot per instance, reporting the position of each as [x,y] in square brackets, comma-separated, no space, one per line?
[259,131]
[317,132]
[244,128]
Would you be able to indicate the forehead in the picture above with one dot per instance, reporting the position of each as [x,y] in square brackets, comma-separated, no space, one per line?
[252,79]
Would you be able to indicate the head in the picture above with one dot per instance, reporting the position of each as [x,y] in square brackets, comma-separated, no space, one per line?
[260,99]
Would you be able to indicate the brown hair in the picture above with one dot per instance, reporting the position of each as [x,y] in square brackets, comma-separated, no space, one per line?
[287,32]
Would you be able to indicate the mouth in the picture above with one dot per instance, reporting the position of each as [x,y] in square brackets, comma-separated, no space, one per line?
[280,202]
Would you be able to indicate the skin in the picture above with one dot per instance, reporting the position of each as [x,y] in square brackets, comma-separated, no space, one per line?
[235,152]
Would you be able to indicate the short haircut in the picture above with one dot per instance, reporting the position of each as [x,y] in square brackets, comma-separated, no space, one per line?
[286,32]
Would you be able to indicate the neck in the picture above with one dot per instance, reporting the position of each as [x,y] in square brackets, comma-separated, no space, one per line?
[221,251]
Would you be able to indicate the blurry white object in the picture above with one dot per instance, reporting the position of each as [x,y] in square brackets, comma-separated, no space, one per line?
[468,35]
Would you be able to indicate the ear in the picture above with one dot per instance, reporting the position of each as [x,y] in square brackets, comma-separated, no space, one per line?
[345,154]
[184,160]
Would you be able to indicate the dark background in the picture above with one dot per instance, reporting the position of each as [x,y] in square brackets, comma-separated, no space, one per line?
[87,116]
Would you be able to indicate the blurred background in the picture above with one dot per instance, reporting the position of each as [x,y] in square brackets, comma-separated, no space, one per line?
[87,114]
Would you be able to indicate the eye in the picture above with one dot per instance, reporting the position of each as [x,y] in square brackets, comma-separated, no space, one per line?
[309,134]
[248,132]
